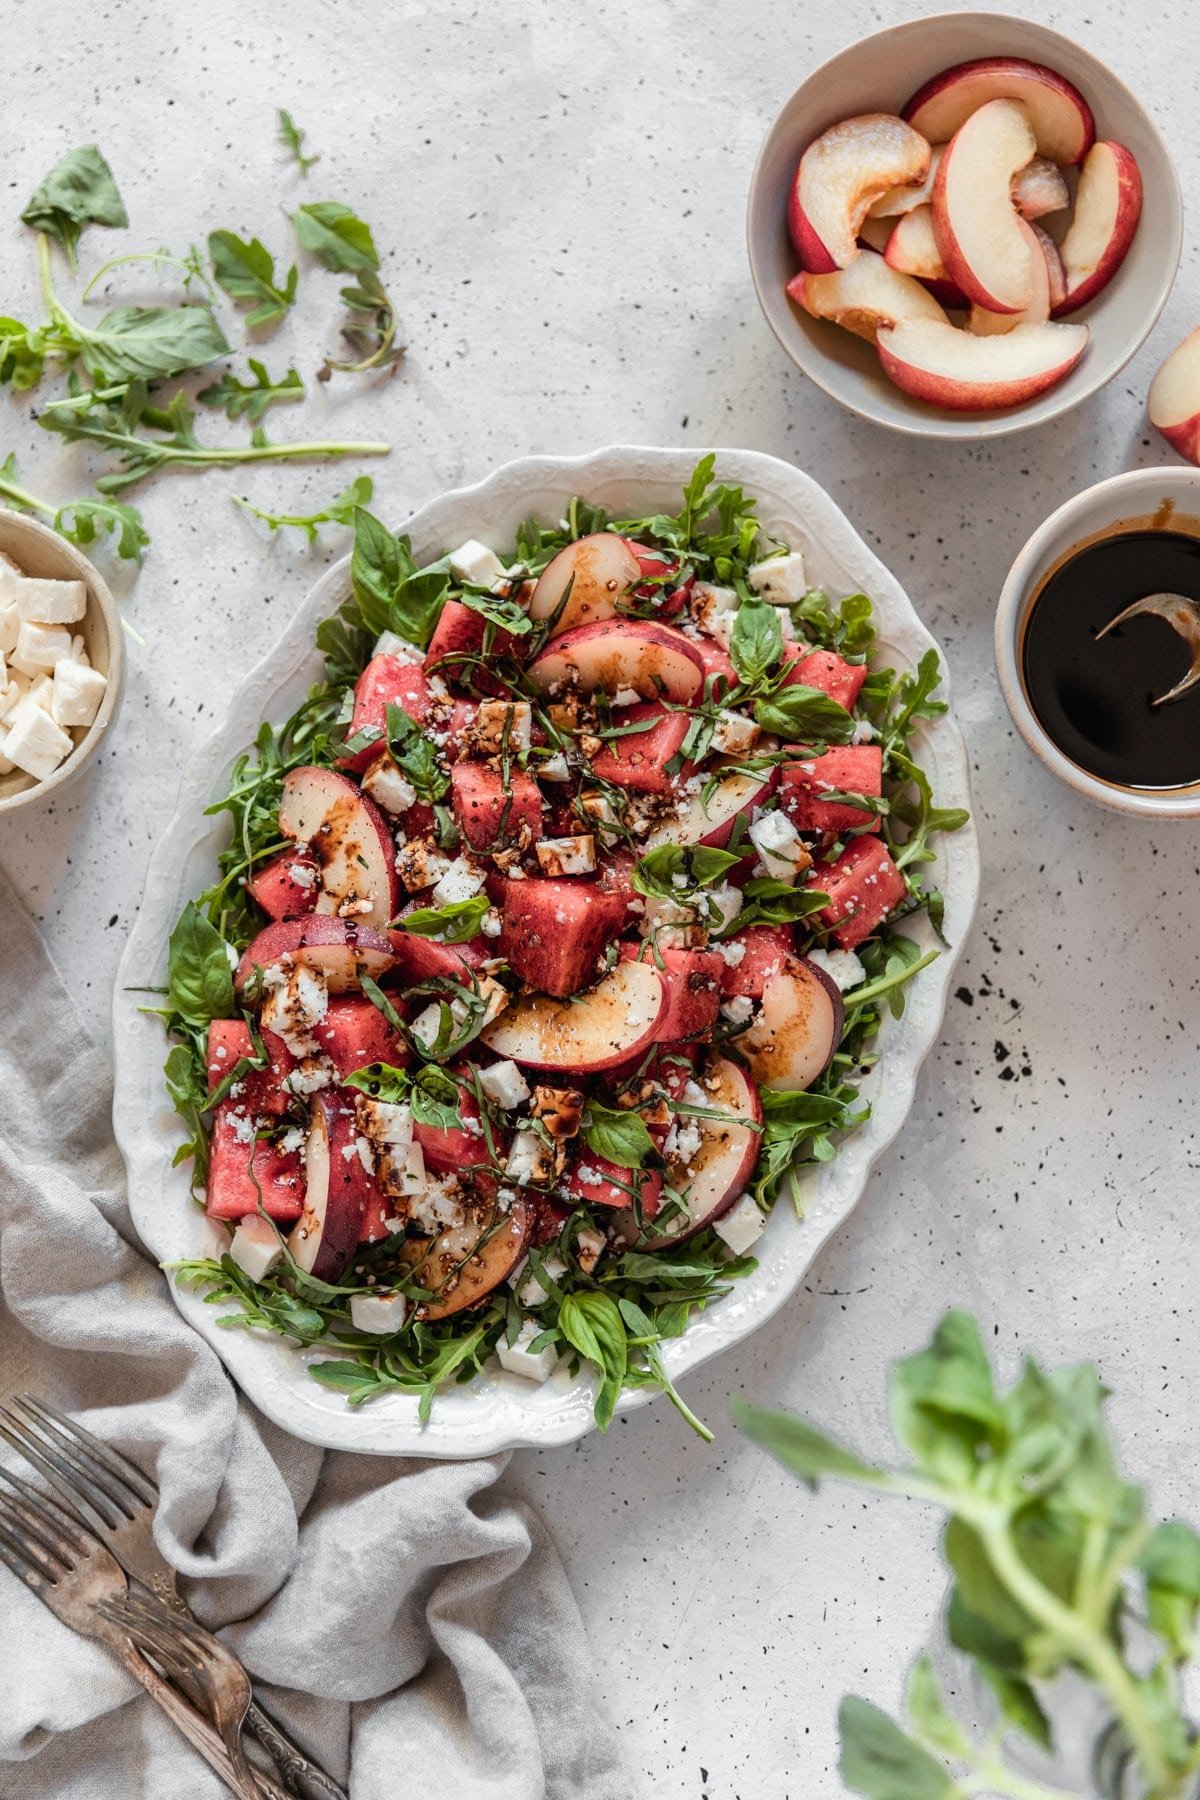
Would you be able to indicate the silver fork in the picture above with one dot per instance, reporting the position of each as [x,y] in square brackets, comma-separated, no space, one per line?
[112,1497]
[74,1575]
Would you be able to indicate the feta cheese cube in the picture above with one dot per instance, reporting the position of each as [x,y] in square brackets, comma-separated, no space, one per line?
[475,565]
[504,1083]
[428,1021]
[529,1159]
[741,1226]
[842,967]
[39,647]
[10,624]
[386,786]
[725,905]
[50,602]
[420,863]
[626,696]
[34,742]
[462,881]
[388,1126]
[554,768]
[779,579]
[778,844]
[77,693]
[567,855]
[599,807]
[6,767]
[519,1359]
[734,734]
[389,644]
[413,1176]
[528,1289]
[13,694]
[40,692]
[10,574]
[713,609]
[255,1247]
[382,1313]
[500,725]
[589,1248]
[293,1006]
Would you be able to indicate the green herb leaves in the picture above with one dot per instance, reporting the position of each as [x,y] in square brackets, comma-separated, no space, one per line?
[245,268]
[336,236]
[78,191]
[415,757]
[805,715]
[756,642]
[81,521]
[672,872]
[619,1135]
[292,138]
[199,973]
[339,511]
[250,399]
[455,923]
[391,592]
[591,1324]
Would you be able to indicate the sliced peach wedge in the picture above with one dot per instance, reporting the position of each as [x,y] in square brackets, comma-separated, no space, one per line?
[983,240]
[1175,398]
[1040,188]
[583,583]
[1060,116]
[840,175]
[912,250]
[965,373]
[635,656]
[993,324]
[864,296]
[1108,205]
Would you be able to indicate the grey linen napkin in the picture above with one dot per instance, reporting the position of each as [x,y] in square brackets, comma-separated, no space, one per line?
[409,1623]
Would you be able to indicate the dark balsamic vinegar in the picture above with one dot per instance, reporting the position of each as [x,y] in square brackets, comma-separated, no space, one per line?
[1093,696]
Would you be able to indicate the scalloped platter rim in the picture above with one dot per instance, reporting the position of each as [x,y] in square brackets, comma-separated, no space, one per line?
[498,1411]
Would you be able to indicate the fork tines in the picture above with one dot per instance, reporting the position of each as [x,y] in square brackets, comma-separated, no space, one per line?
[102,1489]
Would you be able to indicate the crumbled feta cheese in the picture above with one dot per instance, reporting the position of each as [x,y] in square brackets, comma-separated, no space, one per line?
[519,1359]
[725,903]
[864,732]
[626,696]
[420,863]
[40,647]
[527,1287]
[255,1247]
[475,565]
[732,954]
[714,609]
[778,844]
[436,1207]
[504,1083]
[242,1128]
[491,924]
[787,629]
[739,1010]
[302,875]
[292,1141]
[779,579]
[842,967]
[293,1007]
[590,1177]
[462,881]
[554,768]
[382,1313]
[77,693]
[389,644]
[386,786]
[589,1248]
[741,1226]
[33,741]
[683,1141]
[310,1075]
[529,1159]
[734,734]
[567,855]
[50,602]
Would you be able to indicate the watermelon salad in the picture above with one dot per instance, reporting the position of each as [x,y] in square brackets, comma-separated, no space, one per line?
[552,938]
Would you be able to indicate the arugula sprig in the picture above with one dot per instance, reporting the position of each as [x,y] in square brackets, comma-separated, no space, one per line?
[292,137]
[250,399]
[339,239]
[1053,1560]
[245,268]
[81,521]
[338,511]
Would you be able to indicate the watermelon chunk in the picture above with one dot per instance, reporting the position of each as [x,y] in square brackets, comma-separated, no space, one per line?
[288,886]
[863,885]
[386,681]
[845,769]
[457,638]
[692,979]
[767,948]
[354,1033]
[716,661]
[241,1171]
[607,1191]
[490,811]
[421,959]
[263,1091]
[826,670]
[554,933]
[639,760]
[447,1149]
[658,569]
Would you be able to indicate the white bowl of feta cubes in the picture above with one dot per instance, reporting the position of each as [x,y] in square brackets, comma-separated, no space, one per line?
[61,661]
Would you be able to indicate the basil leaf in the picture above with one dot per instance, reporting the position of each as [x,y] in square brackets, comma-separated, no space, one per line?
[655,873]
[504,613]
[804,715]
[382,1081]
[246,270]
[1171,1565]
[435,1100]
[455,923]
[392,593]
[415,756]
[799,1446]
[147,343]
[880,1762]
[78,191]
[199,978]
[943,1401]
[250,399]
[336,236]
[618,1135]
[756,642]
[592,1325]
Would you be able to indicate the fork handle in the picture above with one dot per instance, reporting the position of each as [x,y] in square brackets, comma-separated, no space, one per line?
[195,1728]
[300,1774]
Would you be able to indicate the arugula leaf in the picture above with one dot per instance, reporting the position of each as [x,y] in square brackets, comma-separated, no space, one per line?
[339,511]
[592,1324]
[804,715]
[80,190]
[880,1762]
[336,236]
[505,614]
[80,521]
[23,352]
[756,642]
[245,268]
[292,138]
[250,399]
[188,1096]
[455,923]
[199,975]
[619,1135]
[370,330]
[771,902]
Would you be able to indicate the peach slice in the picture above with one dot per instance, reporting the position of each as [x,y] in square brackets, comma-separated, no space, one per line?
[711,821]
[839,176]
[952,368]
[912,250]
[325,1237]
[900,200]
[1175,398]
[1108,205]
[348,837]
[992,324]
[979,232]
[864,296]
[1060,116]
[467,1261]
[716,1174]
[599,568]
[1040,188]
[633,656]
[1054,267]
[616,1020]
[797,1029]
[338,948]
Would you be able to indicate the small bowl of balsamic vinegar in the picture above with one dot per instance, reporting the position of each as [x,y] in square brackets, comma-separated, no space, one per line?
[1086,668]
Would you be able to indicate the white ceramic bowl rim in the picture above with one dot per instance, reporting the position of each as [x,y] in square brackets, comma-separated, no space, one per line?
[1114,499]
[498,1411]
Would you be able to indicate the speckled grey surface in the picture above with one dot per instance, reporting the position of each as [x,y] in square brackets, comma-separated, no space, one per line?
[559,190]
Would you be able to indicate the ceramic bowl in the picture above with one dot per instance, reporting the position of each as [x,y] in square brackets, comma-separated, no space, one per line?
[880,73]
[1144,500]
[41,552]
